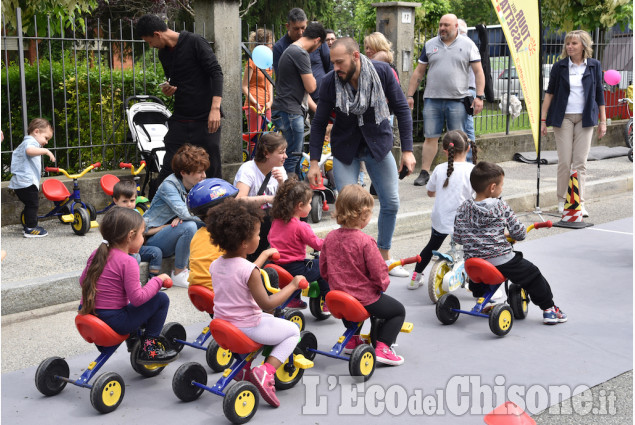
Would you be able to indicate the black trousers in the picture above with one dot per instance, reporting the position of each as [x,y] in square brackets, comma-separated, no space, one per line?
[30,198]
[524,273]
[393,313]
[435,242]
[194,133]
[265,226]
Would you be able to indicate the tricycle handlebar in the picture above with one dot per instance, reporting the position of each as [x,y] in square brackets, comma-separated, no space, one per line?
[72,176]
[547,223]
[410,260]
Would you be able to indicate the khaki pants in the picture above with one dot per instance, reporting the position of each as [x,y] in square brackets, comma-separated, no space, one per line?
[573,143]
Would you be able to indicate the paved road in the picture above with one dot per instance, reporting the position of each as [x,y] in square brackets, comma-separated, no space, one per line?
[593,350]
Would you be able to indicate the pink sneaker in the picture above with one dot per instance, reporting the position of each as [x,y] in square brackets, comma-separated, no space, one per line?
[261,377]
[384,354]
[243,375]
[352,344]
[297,303]
[325,308]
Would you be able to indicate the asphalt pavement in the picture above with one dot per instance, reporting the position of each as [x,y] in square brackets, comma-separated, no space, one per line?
[36,269]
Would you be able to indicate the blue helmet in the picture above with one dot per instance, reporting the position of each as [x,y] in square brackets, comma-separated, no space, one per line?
[207,194]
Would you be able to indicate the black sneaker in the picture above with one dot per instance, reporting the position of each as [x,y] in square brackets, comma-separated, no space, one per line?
[157,350]
[35,232]
[131,341]
[423,178]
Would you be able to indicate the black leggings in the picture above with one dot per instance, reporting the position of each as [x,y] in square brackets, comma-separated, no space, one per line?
[436,240]
[265,226]
[393,313]
[30,198]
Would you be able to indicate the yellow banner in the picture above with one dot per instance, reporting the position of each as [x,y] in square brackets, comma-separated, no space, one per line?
[521,26]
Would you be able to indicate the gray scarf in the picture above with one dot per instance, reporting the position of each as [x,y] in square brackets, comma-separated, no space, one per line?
[369,93]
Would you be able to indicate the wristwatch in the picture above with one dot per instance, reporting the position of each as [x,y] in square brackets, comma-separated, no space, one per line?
[480,96]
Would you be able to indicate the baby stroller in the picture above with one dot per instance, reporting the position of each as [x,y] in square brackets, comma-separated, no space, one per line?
[148,123]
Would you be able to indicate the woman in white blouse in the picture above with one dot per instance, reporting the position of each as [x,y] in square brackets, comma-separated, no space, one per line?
[573,100]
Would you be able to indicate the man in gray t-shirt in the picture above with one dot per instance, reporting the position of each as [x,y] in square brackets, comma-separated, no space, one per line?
[294,81]
[448,59]
[291,95]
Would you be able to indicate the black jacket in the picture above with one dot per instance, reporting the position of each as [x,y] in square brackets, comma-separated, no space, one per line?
[191,66]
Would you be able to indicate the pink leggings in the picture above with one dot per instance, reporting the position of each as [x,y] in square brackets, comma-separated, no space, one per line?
[280,333]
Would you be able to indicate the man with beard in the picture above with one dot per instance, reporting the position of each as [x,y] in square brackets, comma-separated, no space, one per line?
[360,92]
[448,59]
[294,80]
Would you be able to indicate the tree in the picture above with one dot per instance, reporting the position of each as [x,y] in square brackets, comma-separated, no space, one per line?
[586,14]
[261,13]
[63,13]
[475,12]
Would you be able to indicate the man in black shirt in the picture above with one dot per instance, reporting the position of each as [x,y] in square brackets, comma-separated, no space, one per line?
[195,78]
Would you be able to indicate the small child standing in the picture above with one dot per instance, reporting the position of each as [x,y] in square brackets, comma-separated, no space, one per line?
[240,296]
[124,194]
[26,168]
[111,288]
[450,185]
[480,226]
[351,262]
[290,235]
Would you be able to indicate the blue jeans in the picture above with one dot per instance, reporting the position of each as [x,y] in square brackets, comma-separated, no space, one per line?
[176,241]
[469,126]
[437,112]
[151,255]
[150,314]
[384,176]
[292,128]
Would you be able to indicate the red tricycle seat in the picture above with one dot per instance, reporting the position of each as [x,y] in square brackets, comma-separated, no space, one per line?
[202,298]
[94,330]
[481,271]
[108,182]
[284,277]
[231,338]
[344,306]
[54,190]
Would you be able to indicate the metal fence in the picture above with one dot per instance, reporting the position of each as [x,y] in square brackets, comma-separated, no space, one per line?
[613,48]
[79,78]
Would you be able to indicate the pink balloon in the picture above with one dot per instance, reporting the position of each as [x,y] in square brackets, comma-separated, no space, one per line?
[612,77]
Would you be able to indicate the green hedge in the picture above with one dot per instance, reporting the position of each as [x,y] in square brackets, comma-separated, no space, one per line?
[80,110]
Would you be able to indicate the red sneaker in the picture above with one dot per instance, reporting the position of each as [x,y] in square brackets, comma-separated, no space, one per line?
[243,375]
[264,381]
[384,354]
[352,344]
[297,303]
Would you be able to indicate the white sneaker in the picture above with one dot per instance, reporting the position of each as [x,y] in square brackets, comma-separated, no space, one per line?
[585,213]
[560,207]
[398,271]
[416,281]
[181,279]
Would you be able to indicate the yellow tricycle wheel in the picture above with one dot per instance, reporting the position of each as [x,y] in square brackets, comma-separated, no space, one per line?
[107,392]
[241,402]
[501,319]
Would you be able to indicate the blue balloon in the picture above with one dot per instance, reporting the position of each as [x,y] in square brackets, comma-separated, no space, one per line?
[262,57]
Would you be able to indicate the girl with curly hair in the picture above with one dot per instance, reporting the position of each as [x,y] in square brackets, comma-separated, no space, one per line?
[240,297]
[290,235]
